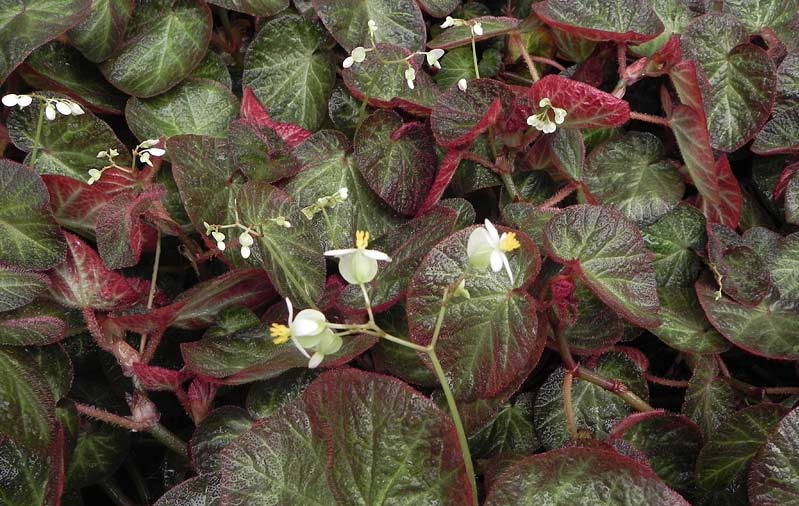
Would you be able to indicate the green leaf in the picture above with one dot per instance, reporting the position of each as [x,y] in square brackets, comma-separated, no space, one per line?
[198,491]
[743,79]
[596,327]
[99,34]
[29,236]
[743,274]
[325,169]
[56,367]
[462,35]
[784,267]
[213,67]
[57,66]
[778,15]
[99,451]
[671,443]
[684,326]
[675,240]
[396,159]
[266,397]
[773,478]
[27,415]
[510,431]
[195,106]
[291,256]
[28,24]
[456,64]
[675,16]
[779,135]
[787,83]
[581,477]
[279,461]
[769,329]
[568,152]
[438,8]
[26,477]
[67,145]
[595,409]
[263,8]
[630,21]
[724,461]
[387,443]
[18,288]
[290,72]
[216,431]
[35,324]
[490,341]
[165,40]
[260,153]
[630,174]
[399,22]
[607,251]
[709,399]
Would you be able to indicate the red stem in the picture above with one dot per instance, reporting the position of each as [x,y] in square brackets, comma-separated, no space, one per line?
[105,416]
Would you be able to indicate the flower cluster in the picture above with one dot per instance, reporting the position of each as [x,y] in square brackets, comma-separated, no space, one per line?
[327,202]
[147,149]
[542,120]
[486,247]
[308,331]
[358,265]
[476,26]
[246,238]
[52,107]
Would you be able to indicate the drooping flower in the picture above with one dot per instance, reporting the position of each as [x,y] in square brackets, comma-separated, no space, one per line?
[219,237]
[372,27]
[21,101]
[49,112]
[246,241]
[486,247]
[433,56]
[410,76]
[358,265]
[147,150]
[449,21]
[477,28]
[308,331]
[542,121]
[356,56]
[462,84]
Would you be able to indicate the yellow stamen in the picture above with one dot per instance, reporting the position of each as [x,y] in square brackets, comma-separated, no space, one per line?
[280,333]
[361,239]
[508,242]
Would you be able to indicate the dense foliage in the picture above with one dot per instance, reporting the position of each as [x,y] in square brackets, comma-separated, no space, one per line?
[399,252]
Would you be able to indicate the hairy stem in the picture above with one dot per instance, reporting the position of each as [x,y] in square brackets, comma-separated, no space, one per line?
[568,406]
[650,118]
[666,382]
[526,55]
[474,58]
[510,186]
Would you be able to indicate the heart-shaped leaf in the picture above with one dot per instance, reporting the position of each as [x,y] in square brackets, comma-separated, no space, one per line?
[399,22]
[607,251]
[787,83]
[595,328]
[18,287]
[29,24]
[291,256]
[724,461]
[773,479]
[98,35]
[675,240]
[56,66]
[461,35]
[29,236]
[386,441]
[263,8]
[684,326]
[784,268]
[581,476]
[396,159]
[671,442]
[743,79]
[75,204]
[780,135]
[217,430]
[260,153]
[289,70]
[776,15]
[625,21]
[201,490]
[709,399]
[36,324]
[631,175]
[510,431]
[195,106]
[489,341]
[567,149]
[595,409]
[744,274]
[165,40]
[27,417]
[585,105]
[459,117]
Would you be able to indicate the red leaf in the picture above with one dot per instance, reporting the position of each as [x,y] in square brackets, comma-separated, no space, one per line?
[785,178]
[460,116]
[254,112]
[158,378]
[685,79]
[120,231]
[75,203]
[445,172]
[201,398]
[726,205]
[586,106]
[83,281]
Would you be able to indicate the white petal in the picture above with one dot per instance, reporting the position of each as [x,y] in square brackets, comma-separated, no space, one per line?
[219,236]
[462,85]
[544,102]
[410,74]
[299,347]
[149,143]
[358,54]
[290,307]
[496,260]
[76,109]
[245,239]
[492,233]
[220,246]
[478,29]
[315,360]
[410,84]
[377,255]
[340,252]
[157,151]
[245,252]
[24,101]
[357,268]
[507,267]
[63,108]
[478,240]
[448,22]
[308,322]
[433,56]
[10,100]
[549,127]
[49,112]
[348,61]
[560,115]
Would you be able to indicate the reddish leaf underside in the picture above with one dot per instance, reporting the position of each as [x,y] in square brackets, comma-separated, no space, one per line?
[586,106]
[446,170]
[460,116]
[254,112]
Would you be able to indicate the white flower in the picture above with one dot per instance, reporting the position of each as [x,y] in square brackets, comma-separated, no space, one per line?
[433,57]
[358,265]
[343,193]
[75,109]
[49,112]
[148,143]
[246,240]
[542,120]
[22,101]
[462,84]
[372,27]
[486,247]
[450,21]
[356,56]
[144,155]
[477,28]
[309,330]
[410,76]
[94,176]
[219,237]
[63,108]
